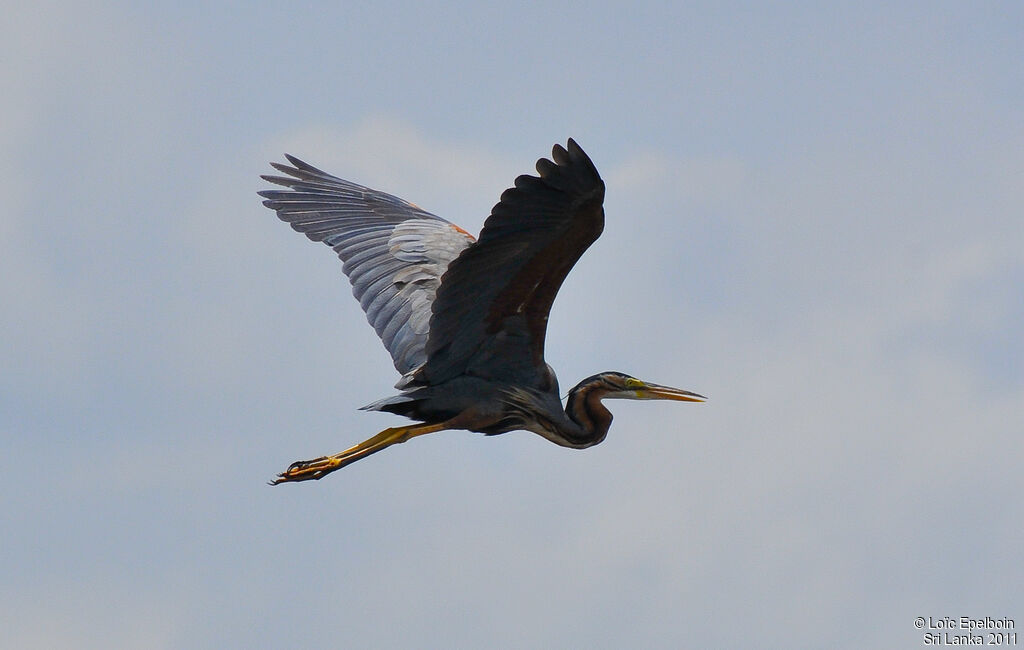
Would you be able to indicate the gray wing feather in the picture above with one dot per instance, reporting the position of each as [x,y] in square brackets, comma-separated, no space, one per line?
[394,253]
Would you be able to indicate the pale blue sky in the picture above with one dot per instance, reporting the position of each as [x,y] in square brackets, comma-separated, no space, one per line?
[814,217]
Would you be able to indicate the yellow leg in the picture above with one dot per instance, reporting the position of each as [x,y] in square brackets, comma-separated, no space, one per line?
[306,470]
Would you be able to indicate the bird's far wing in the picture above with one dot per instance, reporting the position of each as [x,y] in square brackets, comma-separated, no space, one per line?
[394,253]
[491,310]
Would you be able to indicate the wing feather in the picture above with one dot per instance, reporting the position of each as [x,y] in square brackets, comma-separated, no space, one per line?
[393,252]
[489,316]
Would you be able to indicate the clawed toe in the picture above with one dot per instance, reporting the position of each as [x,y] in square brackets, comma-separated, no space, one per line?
[305,470]
[303,464]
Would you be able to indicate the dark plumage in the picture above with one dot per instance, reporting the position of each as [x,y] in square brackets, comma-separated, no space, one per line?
[464,319]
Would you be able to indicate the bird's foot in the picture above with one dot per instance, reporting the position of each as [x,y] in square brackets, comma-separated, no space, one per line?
[308,470]
[316,469]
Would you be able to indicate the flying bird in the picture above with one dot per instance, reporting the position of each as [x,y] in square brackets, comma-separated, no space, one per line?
[464,319]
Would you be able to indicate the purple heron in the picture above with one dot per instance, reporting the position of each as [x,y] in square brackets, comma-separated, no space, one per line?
[464,319]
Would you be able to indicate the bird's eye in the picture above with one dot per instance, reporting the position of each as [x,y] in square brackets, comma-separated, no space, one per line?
[634,383]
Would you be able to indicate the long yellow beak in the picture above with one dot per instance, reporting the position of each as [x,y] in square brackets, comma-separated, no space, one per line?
[656,391]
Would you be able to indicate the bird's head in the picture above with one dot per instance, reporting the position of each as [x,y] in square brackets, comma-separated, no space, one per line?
[618,385]
[586,411]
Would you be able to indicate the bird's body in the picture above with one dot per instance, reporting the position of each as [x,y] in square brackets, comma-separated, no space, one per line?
[465,319]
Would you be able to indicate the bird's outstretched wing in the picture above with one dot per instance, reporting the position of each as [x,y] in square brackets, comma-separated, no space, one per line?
[490,313]
[394,253]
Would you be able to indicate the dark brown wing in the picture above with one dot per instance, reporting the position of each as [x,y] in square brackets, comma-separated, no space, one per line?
[490,313]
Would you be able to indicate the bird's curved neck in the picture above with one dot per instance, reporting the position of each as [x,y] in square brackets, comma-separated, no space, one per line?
[585,410]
